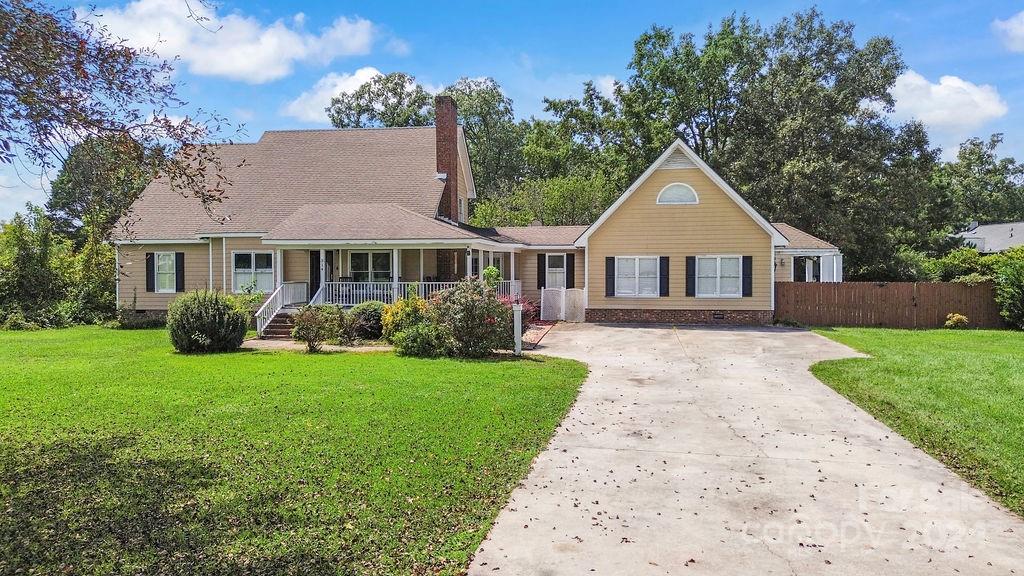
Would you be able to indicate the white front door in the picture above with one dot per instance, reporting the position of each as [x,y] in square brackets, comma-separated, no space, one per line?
[555,271]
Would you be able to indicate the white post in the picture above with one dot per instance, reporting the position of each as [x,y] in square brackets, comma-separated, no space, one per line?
[394,274]
[808,269]
[480,266]
[517,327]
[512,266]
[469,262]
[421,265]
[117,274]
[224,264]
[279,266]
[828,269]
[210,250]
[839,267]
[323,267]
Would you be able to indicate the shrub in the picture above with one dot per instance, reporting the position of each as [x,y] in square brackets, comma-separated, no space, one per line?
[348,331]
[1010,291]
[955,321]
[492,276]
[403,314]
[531,312]
[471,319]
[16,321]
[368,317]
[425,340]
[315,325]
[204,321]
[973,279]
[959,262]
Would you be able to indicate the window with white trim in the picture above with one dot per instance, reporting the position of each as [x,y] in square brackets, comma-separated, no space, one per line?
[677,193]
[637,276]
[166,274]
[719,276]
[370,266]
[555,271]
[462,209]
[252,269]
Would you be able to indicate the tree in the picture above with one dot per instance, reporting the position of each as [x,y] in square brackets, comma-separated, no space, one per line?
[35,266]
[100,179]
[390,100]
[494,138]
[64,79]
[982,186]
[792,116]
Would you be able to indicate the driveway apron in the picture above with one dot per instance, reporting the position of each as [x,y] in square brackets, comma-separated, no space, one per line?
[715,451]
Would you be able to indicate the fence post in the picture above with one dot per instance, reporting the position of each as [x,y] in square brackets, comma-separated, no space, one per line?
[517,327]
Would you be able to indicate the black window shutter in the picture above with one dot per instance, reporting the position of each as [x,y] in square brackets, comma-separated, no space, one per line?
[748,276]
[609,276]
[570,270]
[179,271]
[663,276]
[541,271]
[150,272]
[691,276]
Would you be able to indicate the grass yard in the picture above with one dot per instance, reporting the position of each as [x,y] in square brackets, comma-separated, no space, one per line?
[959,395]
[118,456]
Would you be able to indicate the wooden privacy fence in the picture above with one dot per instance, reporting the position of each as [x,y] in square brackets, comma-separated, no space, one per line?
[887,304]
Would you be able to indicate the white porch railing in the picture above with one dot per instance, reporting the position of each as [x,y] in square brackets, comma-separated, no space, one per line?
[287,293]
[353,293]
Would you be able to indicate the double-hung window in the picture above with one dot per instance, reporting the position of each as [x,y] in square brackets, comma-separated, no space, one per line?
[719,277]
[370,266]
[166,277]
[636,276]
[253,270]
[555,271]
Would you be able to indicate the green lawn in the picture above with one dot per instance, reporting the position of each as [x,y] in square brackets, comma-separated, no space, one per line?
[118,456]
[959,395]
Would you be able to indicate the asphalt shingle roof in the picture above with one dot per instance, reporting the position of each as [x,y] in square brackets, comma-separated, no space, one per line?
[363,222]
[800,240]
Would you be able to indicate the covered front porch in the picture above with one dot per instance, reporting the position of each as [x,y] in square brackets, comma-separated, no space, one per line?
[350,275]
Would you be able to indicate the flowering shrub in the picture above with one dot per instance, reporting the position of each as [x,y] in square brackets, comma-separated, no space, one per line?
[471,320]
[403,314]
[203,321]
[315,325]
[531,312]
[955,321]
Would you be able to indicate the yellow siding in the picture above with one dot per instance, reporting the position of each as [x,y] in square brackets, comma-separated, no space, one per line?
[132,259]
[714,226]
[296,265]
[783,268]
[526,270]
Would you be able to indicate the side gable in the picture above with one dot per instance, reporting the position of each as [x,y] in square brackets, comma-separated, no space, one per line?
[465,168]
[679,155]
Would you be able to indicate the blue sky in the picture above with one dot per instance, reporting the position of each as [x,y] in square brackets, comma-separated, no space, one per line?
[274,64]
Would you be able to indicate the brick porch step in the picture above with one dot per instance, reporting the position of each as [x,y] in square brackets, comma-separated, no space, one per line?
[279,328]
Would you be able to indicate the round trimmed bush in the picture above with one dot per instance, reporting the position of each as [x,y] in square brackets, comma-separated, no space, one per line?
[204,321]
[425,340]
[368,318]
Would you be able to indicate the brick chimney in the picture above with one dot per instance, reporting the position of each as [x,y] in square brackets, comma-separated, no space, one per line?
[446,130]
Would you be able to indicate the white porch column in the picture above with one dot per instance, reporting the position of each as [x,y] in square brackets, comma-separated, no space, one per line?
[480,266]
[839,267]
[279,267]
[469,262]
[808,269]
[394,274]
[512,266]
[421,264]
[828,268]
[323,267]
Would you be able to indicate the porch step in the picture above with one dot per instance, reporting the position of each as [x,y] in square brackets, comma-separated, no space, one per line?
[280,327]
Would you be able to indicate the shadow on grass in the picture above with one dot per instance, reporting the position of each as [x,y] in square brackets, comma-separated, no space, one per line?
[92,506]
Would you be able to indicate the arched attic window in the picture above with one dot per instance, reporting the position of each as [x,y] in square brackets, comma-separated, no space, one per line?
[677,193]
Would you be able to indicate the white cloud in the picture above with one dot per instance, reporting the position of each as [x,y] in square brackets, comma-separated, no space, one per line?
[605,85]
[235,45]
[1011,31]
[310,105]
[16,190]
[953,104]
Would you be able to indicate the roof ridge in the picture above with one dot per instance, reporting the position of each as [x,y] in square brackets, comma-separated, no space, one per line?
[351,129]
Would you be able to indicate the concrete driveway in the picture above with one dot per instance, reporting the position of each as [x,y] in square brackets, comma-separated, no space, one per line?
[714,451]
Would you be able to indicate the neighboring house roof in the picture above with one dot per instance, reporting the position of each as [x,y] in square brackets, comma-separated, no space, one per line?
[314,222]
[288,169]
[800,240]
[991,238]
[679,155]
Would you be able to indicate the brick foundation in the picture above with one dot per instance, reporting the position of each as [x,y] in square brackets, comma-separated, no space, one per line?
[725,317]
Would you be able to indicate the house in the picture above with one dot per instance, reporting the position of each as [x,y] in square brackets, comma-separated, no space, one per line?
[992,238]
[346,216]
